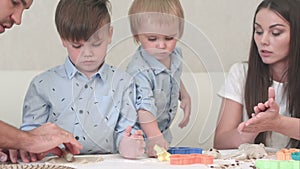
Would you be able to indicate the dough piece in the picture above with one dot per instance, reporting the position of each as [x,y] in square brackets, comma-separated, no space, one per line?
[248,151]
[77,160]
[69,157]
[213,152]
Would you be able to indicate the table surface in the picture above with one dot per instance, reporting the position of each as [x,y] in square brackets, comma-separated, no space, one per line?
[116,161]
[111,161]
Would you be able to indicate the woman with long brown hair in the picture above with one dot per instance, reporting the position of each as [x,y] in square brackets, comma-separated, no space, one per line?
[273,62]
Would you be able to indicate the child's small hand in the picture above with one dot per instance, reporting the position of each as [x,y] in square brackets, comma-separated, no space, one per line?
[132,146]
[157,140]
[185,105]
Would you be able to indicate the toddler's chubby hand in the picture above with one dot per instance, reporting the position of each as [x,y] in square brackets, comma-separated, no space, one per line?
[157,140]
[132,145]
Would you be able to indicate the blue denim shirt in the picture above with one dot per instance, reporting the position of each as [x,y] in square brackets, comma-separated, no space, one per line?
[95,110]
[157,87]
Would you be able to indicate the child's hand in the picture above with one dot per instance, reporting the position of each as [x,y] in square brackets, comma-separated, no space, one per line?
[185,105]
[152,141]
[132,146]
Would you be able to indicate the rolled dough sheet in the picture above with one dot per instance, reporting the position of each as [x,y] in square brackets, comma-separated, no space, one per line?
[78,160]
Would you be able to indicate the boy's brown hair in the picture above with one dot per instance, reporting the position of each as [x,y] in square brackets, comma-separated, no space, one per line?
[79,19]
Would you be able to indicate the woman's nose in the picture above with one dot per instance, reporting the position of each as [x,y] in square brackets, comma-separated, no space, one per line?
[17,16]
[265,39]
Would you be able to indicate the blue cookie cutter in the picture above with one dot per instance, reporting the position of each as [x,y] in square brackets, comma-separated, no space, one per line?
[184,150]
[296,156]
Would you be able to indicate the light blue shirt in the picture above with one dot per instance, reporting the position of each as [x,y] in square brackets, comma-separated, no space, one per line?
[95,110]
[157,87]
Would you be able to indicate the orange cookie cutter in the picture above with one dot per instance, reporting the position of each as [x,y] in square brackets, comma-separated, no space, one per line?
[285,154]
[186,159]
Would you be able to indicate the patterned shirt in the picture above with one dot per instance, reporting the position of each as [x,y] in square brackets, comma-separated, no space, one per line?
[95,110]
[157,87]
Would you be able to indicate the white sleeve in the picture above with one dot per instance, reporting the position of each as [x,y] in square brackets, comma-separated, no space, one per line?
[234,85]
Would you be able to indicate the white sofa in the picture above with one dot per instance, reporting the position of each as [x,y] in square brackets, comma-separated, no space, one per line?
[201,86]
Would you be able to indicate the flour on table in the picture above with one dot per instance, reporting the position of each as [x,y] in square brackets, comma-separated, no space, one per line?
[33,166]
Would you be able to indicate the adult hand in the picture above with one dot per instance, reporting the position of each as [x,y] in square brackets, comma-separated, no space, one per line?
[3,156]
[266,115]
[157,140]
[27,157]
[47,137]
[132,146]
[261,107]
[247,136]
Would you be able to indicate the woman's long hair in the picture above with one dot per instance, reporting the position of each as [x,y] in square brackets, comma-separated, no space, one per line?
[259,77]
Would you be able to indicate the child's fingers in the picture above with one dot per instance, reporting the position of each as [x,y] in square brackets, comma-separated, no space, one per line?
[128,131]
[138,134]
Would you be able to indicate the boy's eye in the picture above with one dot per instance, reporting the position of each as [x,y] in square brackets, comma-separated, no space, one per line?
[76,46]
[169,38]
[152,38]
[97,43]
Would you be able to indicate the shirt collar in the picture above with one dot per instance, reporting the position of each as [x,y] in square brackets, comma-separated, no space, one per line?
[157,66]
[71,70]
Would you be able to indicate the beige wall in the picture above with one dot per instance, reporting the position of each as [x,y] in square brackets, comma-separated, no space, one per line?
[217,34]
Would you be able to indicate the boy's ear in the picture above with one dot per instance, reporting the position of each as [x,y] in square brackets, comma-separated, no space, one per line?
[136,37]
[63,42]
[110,32]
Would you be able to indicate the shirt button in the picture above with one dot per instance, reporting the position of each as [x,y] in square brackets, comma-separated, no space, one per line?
[80,111]
[170,110]
[77,138]
[86,86]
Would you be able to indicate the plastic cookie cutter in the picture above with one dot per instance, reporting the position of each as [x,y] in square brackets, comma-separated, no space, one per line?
[184,150]
[296,156]
[277,164]
[186,159]
[161,153]
[285,154]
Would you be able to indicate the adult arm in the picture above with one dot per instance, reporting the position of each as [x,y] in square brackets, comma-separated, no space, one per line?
[11,137]
[227,135]
[38,140]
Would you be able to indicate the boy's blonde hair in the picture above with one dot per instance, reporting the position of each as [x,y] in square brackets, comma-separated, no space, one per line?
[156,12]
